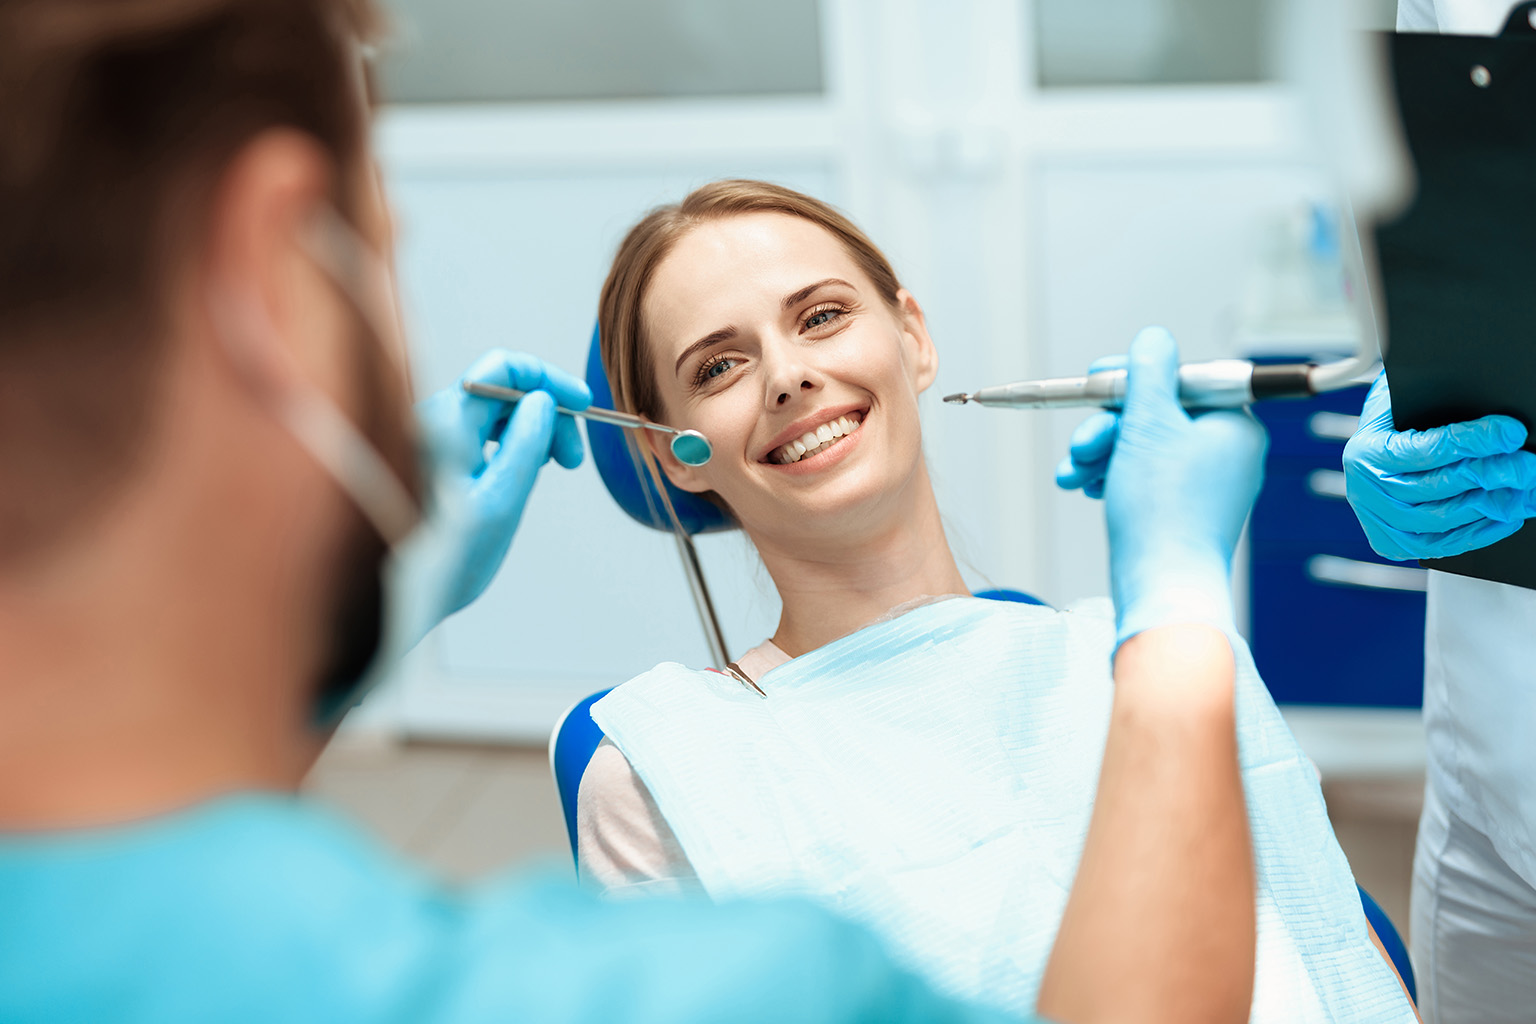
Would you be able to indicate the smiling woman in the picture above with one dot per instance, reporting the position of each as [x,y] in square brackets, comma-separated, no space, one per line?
[769,322]
[919,760]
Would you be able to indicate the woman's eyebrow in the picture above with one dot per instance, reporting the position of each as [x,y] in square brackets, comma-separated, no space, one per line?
[727,333]
[795,298]
[712,338]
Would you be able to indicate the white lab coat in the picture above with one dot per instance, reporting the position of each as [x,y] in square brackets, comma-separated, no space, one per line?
[1473,929]
[1480,710]
[1454,17]
[1474,893]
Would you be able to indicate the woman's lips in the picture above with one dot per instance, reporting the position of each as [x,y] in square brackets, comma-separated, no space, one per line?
[806,424]
[827,455]
[816,440]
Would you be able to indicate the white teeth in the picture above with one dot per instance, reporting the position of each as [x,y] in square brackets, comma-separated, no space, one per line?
[814,441]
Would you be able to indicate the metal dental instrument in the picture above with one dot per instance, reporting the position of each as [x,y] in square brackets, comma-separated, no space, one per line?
[1231,383]
[1218,384]
[689,446]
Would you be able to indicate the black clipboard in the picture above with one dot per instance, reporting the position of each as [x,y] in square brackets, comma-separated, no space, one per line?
[1458,267]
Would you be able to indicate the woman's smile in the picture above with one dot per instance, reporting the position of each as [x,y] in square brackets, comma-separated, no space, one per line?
[814,435]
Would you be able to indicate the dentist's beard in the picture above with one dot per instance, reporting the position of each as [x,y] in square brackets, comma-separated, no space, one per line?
[356,626]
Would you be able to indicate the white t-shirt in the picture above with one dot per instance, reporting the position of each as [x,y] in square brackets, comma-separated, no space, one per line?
[623,844]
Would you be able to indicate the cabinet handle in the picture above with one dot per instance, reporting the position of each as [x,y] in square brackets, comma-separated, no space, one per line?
[1327,483]
[1350,572]
[1332,426]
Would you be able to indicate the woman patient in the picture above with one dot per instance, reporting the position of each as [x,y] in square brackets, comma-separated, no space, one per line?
[919,759]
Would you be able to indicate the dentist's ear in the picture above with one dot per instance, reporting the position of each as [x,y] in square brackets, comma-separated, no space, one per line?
[268,302]
[922,358]
[684,477]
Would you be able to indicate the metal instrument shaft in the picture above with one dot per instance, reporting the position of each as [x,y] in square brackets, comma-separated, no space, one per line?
[690,446]
[1218,384]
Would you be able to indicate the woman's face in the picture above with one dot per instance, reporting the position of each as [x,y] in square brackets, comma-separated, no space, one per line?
[766,336]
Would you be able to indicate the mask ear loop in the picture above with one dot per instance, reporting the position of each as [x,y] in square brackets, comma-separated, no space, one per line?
[348,261]
[645,461]
[311,418]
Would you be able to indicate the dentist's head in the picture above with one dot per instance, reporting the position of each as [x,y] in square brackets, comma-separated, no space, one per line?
[196,333]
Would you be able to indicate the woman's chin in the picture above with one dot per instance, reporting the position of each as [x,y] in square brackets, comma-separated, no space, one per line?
[841,510]
[851,488]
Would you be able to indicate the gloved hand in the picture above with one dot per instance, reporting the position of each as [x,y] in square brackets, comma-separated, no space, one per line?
[1087,461]
[490,493]
[1176,490]
[1441,492]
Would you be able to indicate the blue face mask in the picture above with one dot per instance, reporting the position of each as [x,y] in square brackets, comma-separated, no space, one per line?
[395,573]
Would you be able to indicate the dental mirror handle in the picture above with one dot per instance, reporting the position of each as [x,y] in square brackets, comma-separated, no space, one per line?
[612,416]
[1217,384]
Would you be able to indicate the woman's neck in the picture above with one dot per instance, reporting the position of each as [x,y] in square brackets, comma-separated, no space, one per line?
[839,586]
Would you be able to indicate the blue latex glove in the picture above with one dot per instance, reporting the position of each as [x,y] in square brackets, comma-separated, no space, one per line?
[1176,490]
[1087,462]
[1441,492]
[493,491]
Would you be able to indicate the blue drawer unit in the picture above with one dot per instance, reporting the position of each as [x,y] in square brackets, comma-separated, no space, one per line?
[1302,511]
[1331,621]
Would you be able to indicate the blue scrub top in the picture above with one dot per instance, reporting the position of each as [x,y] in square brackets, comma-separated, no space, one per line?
[267,908]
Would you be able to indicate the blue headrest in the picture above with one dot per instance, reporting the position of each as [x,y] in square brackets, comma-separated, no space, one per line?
[629,483]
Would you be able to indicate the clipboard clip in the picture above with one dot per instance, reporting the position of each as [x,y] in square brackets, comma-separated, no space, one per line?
[1521,22]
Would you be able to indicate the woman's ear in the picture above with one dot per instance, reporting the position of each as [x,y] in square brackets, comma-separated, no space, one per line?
[683,477]
[922,357]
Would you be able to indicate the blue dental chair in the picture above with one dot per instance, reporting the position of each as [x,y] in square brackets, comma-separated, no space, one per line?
[576,736]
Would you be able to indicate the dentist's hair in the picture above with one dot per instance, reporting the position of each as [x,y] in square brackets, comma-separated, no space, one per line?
[117,118]
[620,317]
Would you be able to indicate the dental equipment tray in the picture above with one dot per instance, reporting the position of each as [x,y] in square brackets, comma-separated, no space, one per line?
[1459,266]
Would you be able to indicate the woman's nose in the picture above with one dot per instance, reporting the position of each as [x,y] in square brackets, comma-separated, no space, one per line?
[789,375]
[783,397]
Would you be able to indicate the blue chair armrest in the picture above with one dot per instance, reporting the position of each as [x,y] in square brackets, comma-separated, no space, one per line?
[1393,943]
[571,745]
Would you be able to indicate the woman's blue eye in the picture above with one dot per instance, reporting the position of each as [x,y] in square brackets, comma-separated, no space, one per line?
[716,367]
[821,318]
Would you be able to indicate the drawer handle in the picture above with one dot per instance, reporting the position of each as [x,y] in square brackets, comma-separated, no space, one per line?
[1332,426]
[1350,572]
[1327,483]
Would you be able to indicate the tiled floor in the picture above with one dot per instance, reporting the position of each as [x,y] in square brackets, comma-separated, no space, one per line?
[464,810]
[1377,821]
[469,810]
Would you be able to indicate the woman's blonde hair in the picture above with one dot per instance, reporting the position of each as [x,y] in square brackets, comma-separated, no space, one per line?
[621,324]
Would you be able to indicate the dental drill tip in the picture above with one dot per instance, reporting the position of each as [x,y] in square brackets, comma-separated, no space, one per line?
[957,399]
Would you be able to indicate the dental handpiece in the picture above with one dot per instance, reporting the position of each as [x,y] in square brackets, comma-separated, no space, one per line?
[691,447]
[1218,384]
